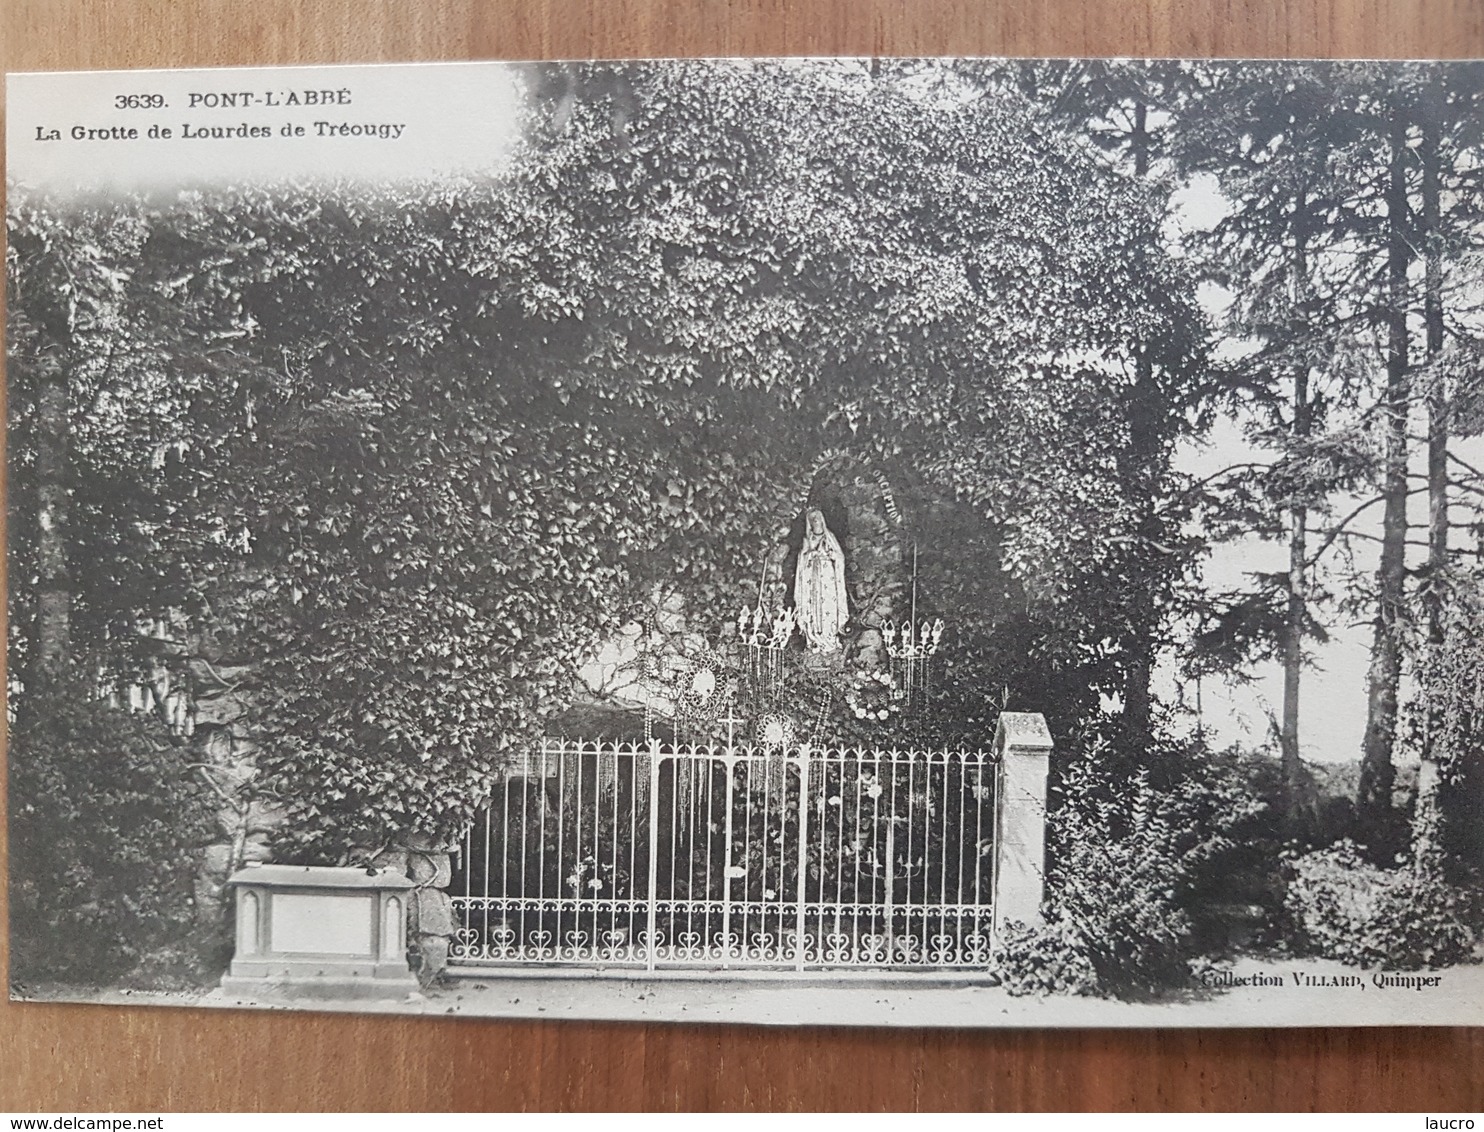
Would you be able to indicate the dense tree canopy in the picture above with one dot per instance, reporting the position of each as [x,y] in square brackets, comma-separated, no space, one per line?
[394,459]
[410,451]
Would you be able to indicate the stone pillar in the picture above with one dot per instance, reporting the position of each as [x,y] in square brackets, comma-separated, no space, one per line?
[226,754]
[430,922]
[1023,743]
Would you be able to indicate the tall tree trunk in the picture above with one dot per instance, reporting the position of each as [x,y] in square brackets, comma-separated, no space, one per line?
[52,636]
[1377,774]
[1144,611]
[1295,790]
[1427,832]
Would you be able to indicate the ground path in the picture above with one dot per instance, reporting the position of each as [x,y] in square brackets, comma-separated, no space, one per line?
[1306,992]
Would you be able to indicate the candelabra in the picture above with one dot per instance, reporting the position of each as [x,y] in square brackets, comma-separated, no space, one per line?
[911,648]
[764,639]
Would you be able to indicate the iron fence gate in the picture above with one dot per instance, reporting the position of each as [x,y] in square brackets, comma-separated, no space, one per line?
[652,856]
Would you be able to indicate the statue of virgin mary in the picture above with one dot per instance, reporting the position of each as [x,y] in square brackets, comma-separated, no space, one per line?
[819,586]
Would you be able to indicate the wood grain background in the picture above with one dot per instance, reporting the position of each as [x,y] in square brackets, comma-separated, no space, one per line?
[89,1058]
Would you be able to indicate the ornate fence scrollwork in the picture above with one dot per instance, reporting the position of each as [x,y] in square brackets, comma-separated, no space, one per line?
[650,856]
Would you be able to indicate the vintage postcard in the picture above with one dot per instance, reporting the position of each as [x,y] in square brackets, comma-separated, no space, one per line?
[933,542]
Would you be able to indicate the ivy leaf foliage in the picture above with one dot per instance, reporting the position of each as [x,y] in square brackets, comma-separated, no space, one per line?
[692,304]
[425,443]
[970,287]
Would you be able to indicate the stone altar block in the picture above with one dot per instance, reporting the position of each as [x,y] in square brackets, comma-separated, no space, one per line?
[1023,743]
[307,932]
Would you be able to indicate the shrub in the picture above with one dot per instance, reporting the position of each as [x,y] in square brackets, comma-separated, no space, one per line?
[1051,958]
[104,823]
[1346,908]
[1131,862]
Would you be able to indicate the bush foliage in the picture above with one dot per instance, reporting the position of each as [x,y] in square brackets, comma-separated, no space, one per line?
[1130,865]
[1346,908]
[105,832]
[1050,958]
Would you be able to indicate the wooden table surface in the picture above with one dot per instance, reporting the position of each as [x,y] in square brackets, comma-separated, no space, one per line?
[92,1058]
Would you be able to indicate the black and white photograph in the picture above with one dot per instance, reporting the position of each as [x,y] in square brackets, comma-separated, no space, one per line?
[881,542]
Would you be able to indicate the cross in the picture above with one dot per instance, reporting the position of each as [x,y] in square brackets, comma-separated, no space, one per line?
[731,720]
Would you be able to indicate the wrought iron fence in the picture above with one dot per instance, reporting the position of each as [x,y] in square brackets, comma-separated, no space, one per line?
[657,856]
